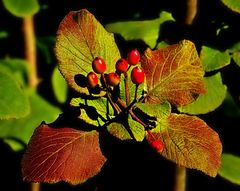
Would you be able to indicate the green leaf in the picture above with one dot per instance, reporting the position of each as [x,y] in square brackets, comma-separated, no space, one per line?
[213,59]
[3,34]
[216,93]
[159,111]
[131,87]
[230,107]
[22,129]
[45,46]
[162,44]
[236,57]
[99,105]
[173,74]
[81,38]
[13,101]
[234,5]
[22,8]
[59,85]
[126,129]
[147,30]
[17,68]
[189,141]
[230,168]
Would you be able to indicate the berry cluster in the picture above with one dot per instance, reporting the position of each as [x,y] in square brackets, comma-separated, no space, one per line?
[112,79]
[122,66]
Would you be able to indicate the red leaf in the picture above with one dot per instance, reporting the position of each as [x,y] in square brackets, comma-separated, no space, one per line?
[63,154]
[189,142]
[173,74]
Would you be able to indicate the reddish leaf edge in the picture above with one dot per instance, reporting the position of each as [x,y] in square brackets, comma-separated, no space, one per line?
[69,177]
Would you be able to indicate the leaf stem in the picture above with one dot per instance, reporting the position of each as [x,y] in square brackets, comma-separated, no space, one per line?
[127,93]
[109,97]
[180,179]
[136,91]
[129,109]
[30,50]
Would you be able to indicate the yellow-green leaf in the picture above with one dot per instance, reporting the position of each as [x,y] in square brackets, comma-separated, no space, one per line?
[22,8]
[234,5]
[213,59]
[146,30]
[81,38]
[216,93]
[230,168]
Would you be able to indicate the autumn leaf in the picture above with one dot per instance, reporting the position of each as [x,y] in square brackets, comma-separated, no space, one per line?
[190,142]
[63,154]
[81,38]
[173,74]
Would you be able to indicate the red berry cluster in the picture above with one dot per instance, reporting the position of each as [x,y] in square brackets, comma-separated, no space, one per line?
[112,79]
[122,66]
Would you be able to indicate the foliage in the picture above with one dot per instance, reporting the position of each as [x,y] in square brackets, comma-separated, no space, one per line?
[173,76]
[187,103]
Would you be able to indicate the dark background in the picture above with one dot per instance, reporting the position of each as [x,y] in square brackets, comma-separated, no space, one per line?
[132,166]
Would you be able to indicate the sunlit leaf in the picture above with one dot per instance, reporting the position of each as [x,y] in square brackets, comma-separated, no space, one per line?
[216,93]
[234,5]
[62,154]
[22,8]
[190,142]
[99,105]
[158,111]
[13,100]
[131,88]
[230,168]
[147,30]
[59,85]
[126,129]
[213,59]
[81,38]
[21,129]
[173,74]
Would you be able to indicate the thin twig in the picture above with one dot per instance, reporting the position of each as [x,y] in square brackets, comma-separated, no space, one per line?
[30,50]
[127,93]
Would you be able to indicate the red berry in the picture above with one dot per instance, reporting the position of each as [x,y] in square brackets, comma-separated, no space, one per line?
[137,75]
[92,79]
[133,57]
[99,65]
[113,79]
[121,66]
[157,145]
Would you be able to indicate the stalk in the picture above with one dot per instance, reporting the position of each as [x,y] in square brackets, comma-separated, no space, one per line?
[180,179]
[35,186]
[191,11]
[31,57]
[127,93]
[30,50]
